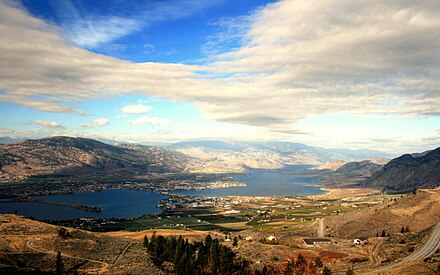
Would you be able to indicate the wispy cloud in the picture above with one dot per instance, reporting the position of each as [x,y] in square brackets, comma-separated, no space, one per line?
[150,120]
[49,124]
[135,109]
[95,123]
[298,59]
[91,30]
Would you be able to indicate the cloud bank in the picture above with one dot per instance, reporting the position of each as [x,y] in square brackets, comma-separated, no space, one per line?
[297,59]
[49,124]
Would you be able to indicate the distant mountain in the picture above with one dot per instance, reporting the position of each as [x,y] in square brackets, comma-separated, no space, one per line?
[80,156]
[6,140]
[408,172]
[211,144]
[220,156]
[331,165]
[359,168]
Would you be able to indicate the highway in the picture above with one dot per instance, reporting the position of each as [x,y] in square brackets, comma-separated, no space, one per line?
[428,249]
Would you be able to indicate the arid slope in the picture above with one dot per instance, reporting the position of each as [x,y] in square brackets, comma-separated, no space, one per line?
[418,212]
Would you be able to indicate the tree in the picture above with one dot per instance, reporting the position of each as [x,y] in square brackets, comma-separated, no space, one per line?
[213,257]
[235,243]
[402,230]
[145,241]
[383,233]
[318,262]
[326,271]
[349,272]
[59,264]
[63,233]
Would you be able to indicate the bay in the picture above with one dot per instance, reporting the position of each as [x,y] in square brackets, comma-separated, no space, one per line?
[264,183]
[115,203]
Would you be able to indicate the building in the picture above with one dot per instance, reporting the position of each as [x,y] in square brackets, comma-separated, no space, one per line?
[316,241]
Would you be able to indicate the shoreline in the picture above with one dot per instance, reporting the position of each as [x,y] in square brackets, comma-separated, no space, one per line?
[339,193]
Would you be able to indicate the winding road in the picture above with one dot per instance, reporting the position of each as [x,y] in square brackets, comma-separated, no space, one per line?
[427,250]
[104,266]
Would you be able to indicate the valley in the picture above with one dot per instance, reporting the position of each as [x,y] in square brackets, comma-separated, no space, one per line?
[269,211]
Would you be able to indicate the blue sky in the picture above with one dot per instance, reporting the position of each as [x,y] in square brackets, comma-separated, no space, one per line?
[330,74]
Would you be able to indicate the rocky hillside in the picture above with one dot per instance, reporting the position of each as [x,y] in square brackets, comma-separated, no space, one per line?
[219,156]
[417,211]
[79,156]
[359,168]
[408,172]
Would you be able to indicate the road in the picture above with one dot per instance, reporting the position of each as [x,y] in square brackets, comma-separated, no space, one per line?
[99,270]
[428,249]
[122,253]
[321,229]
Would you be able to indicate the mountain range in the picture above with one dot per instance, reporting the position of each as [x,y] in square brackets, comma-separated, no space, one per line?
[220,156]
[72,156]
[408,172]
[80,156]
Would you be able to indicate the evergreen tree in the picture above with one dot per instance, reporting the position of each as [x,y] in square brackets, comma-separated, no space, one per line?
[59,264]
[326,271]
[235,243]
[350,272]
[208,241]
[318,262]
[213,257]
[180,249]
[145,241]
[383,233]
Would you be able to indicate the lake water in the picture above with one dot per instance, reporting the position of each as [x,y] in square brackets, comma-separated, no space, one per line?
[120,203]
[263,183]
[116,203]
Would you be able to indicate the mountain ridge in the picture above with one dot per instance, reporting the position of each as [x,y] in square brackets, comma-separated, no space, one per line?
[408,172]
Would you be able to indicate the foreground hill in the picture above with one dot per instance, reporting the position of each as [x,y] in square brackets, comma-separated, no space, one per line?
[79,156]
[408,172]
[30,247]
[416,211]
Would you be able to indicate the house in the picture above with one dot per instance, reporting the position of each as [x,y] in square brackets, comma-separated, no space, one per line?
[316,241]
[360,240]
[271,238]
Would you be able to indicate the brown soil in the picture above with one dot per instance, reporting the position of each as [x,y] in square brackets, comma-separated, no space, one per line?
[418,212]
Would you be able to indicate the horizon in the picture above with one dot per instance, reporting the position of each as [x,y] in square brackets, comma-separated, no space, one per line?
[364,76]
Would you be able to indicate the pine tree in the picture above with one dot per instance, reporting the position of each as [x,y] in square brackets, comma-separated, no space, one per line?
[213,257]
[350,272]
[59,264]
[145,241]
[326,271]
[235,243]
[318,262]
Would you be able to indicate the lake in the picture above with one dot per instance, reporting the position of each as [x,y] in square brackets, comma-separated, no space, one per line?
[121,203]
[115,203]
[264,183]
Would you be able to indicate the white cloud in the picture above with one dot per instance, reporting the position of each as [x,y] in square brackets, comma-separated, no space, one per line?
[298,59]
[135,109]
[150,120]
[49,124]
[91,30]
[95,123]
